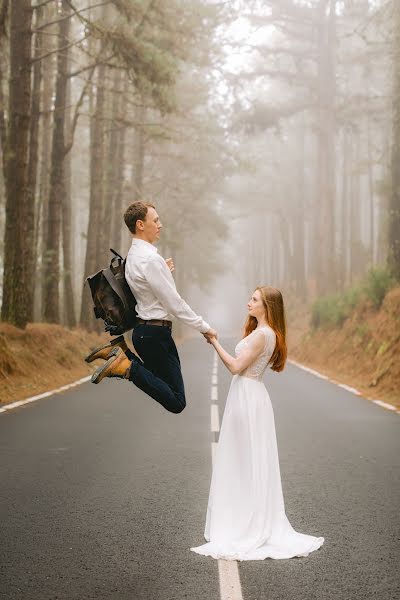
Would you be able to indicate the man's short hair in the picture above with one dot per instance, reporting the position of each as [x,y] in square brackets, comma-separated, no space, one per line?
[137,211]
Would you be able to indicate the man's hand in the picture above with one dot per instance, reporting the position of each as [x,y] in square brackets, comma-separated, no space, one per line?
[210,334]
[112,329]
[170,264]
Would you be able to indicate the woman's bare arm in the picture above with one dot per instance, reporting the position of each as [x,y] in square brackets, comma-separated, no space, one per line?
[245,358]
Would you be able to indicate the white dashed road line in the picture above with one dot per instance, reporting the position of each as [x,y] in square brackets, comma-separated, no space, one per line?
[228,572]
[214,418]
[229,581]
[213,451]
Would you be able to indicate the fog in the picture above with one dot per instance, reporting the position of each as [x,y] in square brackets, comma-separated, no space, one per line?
[265,133]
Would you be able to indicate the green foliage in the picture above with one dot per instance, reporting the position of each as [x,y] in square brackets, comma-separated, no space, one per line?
[329,310]
[151,40]
[333,310]
[152,68]
[377,283]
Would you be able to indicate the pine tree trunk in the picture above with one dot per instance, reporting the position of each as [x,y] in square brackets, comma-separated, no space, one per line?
[354,201]
[3,124]
[112,170]
[117,219]
[52,264]
[343,273]
[326,148]
[370,167]
[96,199]
[298,224]
[69,301]
[45,165]
[34,157]
[394,200]
[138,155]
[17,241]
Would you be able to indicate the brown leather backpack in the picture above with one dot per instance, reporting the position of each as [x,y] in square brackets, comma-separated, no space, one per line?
[113,299]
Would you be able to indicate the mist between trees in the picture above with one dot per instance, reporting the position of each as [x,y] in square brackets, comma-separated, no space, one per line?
[267,133]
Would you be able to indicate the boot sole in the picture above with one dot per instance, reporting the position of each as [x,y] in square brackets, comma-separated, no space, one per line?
[98,374]
[89,358]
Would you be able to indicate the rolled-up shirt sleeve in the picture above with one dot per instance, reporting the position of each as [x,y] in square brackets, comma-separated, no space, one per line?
[160,280]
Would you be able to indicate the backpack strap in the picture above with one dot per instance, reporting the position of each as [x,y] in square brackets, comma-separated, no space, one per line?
[116,253]
[116,286]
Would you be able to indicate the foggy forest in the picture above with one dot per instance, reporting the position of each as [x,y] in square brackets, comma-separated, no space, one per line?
[267,133]
[266,136]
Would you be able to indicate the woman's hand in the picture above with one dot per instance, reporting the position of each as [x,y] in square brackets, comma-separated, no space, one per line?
[211,339]
[211,336]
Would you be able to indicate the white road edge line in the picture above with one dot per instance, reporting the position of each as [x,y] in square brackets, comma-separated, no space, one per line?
[228,572]
[214,379]
[350,389]
[44,395]
[386,405]
[294,362]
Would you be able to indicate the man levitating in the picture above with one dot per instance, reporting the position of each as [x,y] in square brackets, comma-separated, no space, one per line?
[158,371]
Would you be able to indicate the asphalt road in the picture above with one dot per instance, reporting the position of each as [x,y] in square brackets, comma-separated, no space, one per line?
[103,493]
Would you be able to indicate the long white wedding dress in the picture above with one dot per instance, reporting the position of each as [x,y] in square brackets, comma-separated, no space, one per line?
[246,517]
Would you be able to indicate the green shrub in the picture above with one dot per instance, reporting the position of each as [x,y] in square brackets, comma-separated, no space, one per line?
[352,297]
[329,310]
[377,283]
[333,310]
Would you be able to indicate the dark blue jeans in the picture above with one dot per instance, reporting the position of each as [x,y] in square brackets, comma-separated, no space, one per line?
[160,374]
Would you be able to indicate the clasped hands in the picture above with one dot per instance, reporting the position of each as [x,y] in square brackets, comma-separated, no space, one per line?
[211,336]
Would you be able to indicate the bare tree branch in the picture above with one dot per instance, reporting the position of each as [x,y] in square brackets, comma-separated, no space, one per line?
[75,13]
[75,43]
[74,123]
[95,64]
[45,3]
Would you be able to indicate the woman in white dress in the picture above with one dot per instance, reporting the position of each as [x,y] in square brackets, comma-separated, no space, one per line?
[246,517]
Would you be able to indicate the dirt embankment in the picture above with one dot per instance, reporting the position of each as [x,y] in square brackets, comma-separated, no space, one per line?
[42,357]
[364,353]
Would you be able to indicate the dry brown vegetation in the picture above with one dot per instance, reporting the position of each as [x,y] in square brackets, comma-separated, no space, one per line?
[363,353]
[42,357]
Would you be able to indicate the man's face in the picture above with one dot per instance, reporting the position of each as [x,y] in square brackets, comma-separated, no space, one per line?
[151,226]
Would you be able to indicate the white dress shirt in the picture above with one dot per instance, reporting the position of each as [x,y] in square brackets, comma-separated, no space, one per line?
[153,286]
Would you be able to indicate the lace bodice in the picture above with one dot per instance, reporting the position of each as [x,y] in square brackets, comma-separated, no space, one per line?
[258,366]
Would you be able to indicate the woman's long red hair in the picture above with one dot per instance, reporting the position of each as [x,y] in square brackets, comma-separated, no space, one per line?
[275,317]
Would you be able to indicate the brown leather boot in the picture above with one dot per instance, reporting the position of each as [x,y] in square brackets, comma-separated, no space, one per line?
[105,350]
[118,365]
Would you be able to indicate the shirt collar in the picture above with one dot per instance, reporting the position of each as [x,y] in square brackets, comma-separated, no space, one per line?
[144,244]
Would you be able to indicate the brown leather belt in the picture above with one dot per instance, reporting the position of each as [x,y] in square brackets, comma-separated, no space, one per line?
[159,322]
